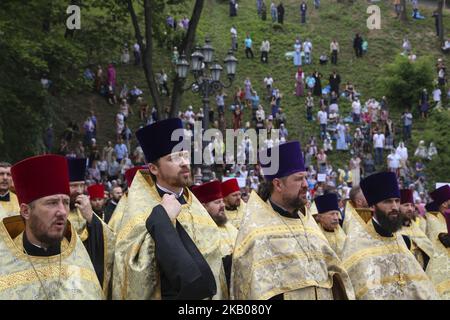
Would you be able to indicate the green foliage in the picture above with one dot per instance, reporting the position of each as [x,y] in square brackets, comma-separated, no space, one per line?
[33,42]
[403,81]
[434,130]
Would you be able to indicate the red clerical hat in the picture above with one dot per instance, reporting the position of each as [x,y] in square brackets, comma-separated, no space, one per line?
[229,186]
[96,191]
[208,192]
[406,196]
[40,176]
[130,173]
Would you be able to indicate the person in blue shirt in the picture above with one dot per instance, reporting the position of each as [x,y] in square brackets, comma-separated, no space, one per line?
[248,47]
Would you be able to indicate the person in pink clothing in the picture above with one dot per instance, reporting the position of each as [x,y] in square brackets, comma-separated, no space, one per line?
[111,76]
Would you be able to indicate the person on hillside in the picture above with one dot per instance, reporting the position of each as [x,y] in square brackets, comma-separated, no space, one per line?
[357,45]
[303,9]
[280,13]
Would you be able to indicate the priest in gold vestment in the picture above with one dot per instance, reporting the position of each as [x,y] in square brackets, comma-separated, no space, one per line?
[327,218]
[280,252]
[421,246]
[168,246]
[41,256]
[376,257]
[438,225]
[98,238]
[9,205]
[210,195]
[234,205]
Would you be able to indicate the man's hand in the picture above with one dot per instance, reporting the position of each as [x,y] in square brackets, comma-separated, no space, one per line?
[171,205]
[445,239]
[83,204]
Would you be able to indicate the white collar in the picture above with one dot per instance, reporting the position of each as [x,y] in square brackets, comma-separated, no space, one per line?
[177,195]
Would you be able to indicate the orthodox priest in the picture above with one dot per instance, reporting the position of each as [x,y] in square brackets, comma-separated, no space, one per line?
[327,218]
[234,206]
[96,194]
[97,237]
[280,252]
[9,205]
[438,225]
[376,257]
[421,246]
[168,246]
[41,255]
[210,195]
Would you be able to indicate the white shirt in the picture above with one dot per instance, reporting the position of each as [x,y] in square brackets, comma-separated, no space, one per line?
[136,47]
[402,153]
[307,46]
[437,94]
[233,32]
[394,161]
[323,117]
[378,140]
[334,108]
[356,107]
[268,81]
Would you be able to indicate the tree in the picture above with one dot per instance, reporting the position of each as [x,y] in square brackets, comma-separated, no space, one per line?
[33,46]
[403,81]
[440,6]
[403,16]
[153,29]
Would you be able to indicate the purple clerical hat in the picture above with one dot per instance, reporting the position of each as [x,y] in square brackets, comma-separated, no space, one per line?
[327,202]
[440,195]
[380,186]
[289,161]
[156,139]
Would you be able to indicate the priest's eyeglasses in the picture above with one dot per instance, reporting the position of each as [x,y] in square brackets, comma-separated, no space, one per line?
[179,157]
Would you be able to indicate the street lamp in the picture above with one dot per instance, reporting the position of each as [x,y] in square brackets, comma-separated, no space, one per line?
[206,83]
[207,51]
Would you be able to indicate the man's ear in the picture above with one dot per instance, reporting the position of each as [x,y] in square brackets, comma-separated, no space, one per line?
[25,211]
[153,169]
[276,184]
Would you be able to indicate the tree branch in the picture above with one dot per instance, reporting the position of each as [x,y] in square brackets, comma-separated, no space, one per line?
[186,47]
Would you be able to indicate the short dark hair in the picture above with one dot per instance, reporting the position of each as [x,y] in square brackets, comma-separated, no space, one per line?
[4,164]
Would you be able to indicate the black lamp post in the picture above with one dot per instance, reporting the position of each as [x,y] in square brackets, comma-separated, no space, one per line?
[206,83]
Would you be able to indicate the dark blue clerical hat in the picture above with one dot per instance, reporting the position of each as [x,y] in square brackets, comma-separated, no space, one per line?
[327,202]
[77,169]
[380,186]
[431,207]
[156,139]
[290,160]
[440,195]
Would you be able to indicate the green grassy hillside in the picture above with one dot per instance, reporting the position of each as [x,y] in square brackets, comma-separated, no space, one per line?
[332,20]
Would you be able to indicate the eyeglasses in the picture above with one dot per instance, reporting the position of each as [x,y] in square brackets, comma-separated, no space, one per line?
[178,157]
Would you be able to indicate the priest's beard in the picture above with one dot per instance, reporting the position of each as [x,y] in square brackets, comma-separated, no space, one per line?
[42,231]
[180,180]
[297,202]
[389,222]
[220,218]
